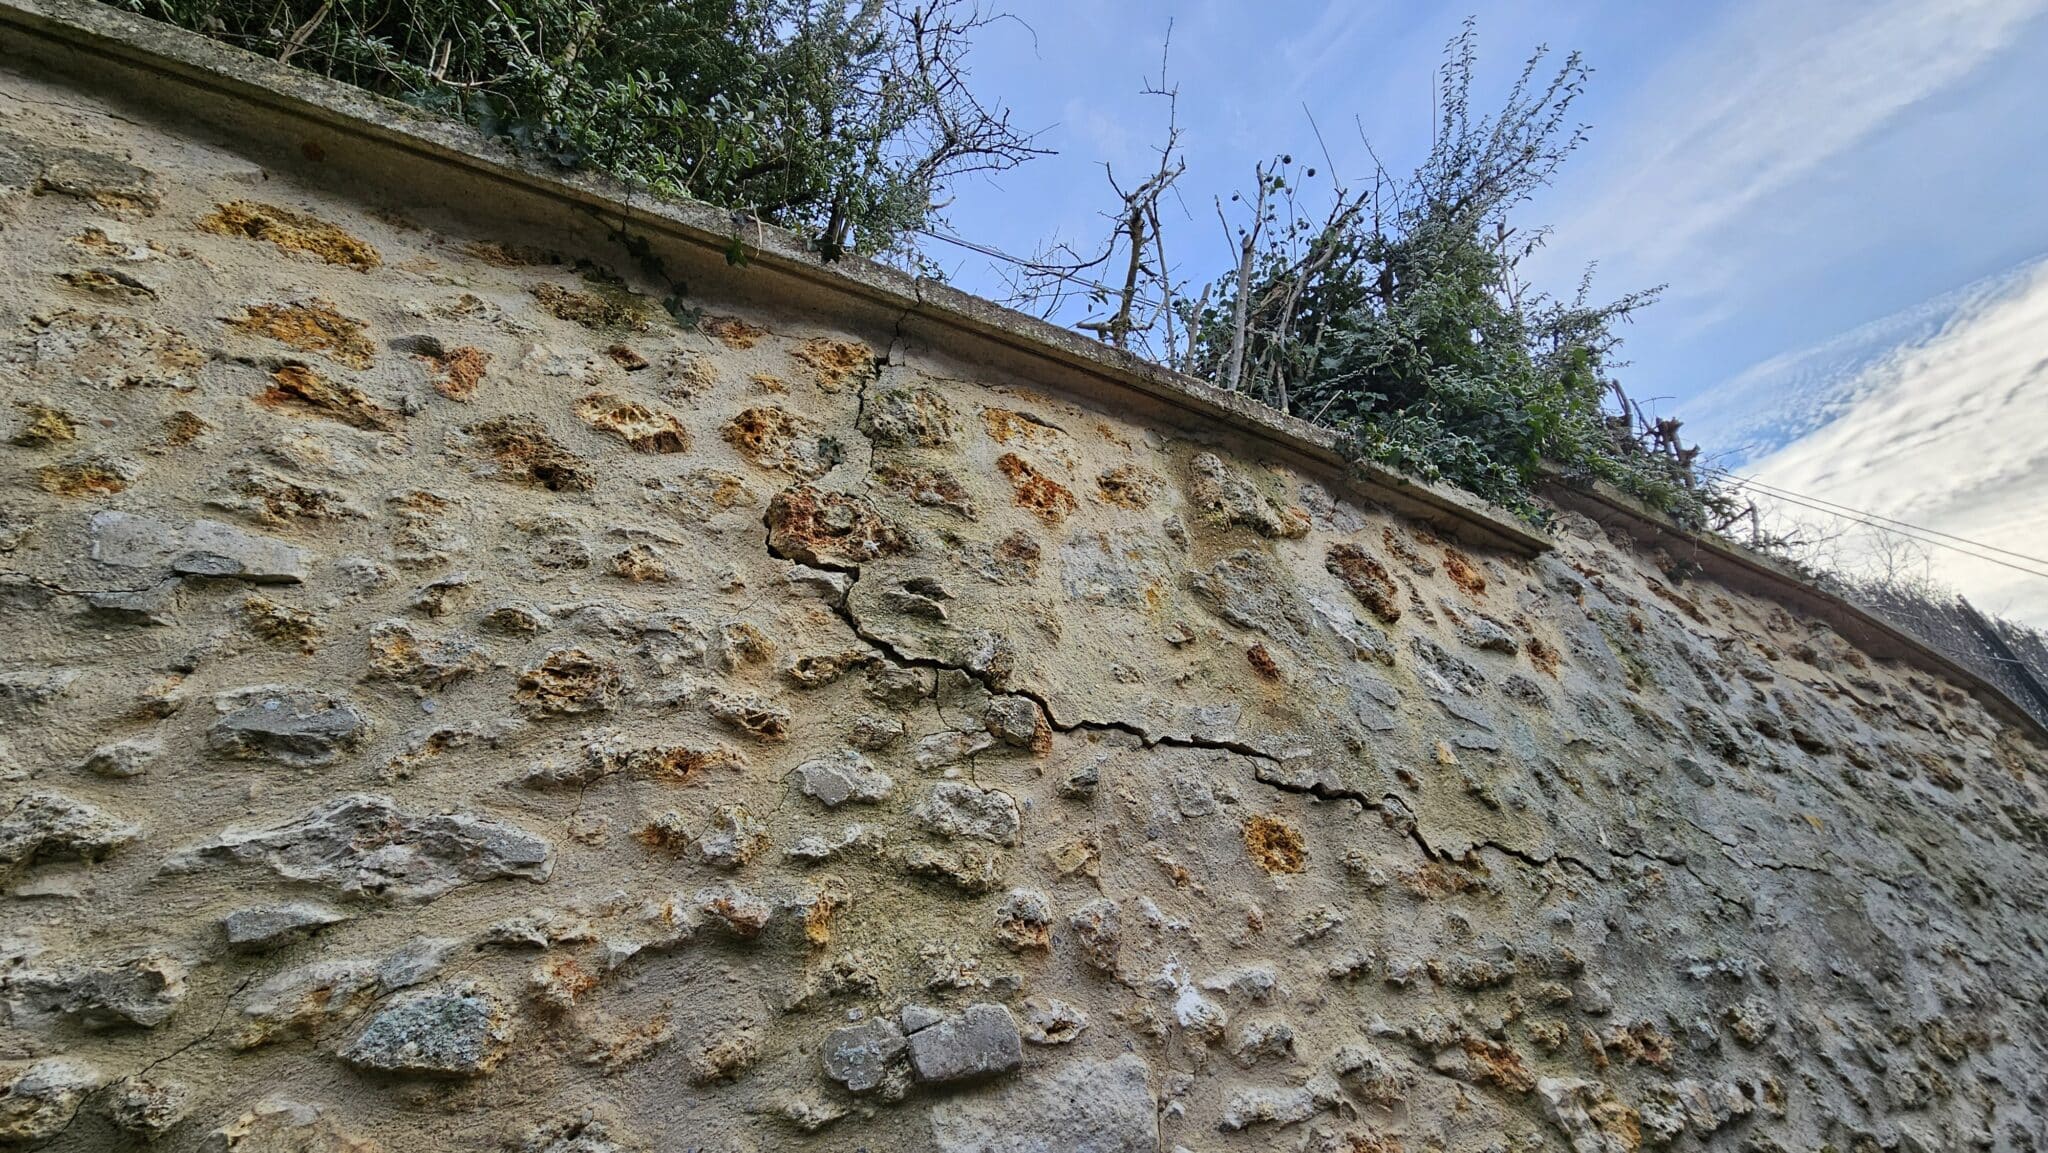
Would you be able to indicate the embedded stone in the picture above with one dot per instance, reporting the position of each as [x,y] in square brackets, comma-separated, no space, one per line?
[822,528]
[732,838]
[204,548]
[918,417]
[268,927]
[1024,921]
[304,728]
[583,1132]
[148,1107]
[142,990]
[1247,589]
[973,871]
[1018,721]
[842,777]
[458,1029]
[860,1056]
[364,843]
[1226,499]
[122,759]
[278,1125]
[981,1042]
[568,682]
[1051,1021]
[39,1099]
[51,826]
[1098,927]
[1081,1107]
[958,809]
[400,652]
[755,716]
[303,1001]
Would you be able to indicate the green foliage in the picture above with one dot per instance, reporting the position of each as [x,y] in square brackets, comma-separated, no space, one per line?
[840,121]
[1398,318]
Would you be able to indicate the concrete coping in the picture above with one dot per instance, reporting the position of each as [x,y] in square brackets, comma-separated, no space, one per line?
[182,75]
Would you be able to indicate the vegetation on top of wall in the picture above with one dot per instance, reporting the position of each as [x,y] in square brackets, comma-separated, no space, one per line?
[841,122]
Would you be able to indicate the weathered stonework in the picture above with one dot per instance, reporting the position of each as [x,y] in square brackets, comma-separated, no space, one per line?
[453,704]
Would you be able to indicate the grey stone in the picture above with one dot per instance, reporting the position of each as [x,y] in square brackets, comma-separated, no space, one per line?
[363,843]
[827,585]
[306,999]
[732,837]
[304,728]
[958,809]
[23,691]
[1249,590]
[982,1041]
[148,1107]
[122,759]
[268,927]
[1282,1107]
[51,826]
[1082,1107]
[841,777]
[1017,721]
[140,990]
[1225,498]
[152,607]
[859,1056]
[38,1100]
[458,1029]
[204,548]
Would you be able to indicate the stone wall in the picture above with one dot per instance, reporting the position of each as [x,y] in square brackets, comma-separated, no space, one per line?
[454,701]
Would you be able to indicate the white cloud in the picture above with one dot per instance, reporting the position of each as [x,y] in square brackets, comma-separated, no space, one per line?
[1766,100]
[1951,433]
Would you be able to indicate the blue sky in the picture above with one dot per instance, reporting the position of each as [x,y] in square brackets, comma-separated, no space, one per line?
[1848,201]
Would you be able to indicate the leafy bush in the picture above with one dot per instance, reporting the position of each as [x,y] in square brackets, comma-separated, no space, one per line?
[842,122]
[1398,318]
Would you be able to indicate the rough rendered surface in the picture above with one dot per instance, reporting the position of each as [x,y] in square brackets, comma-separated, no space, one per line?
[450,703]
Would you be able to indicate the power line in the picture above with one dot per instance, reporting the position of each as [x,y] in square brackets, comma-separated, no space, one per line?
[1836,512]
[1773,490]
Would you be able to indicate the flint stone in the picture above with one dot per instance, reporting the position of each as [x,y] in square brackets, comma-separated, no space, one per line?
[981,1042]
[204,548]
[1085,1107]
[458,1029]
[859,1056]
[51,826]
[844,776]
[142,990]
[303,728]
[269,927]
[149,608]
[37,1101]
[958,809]
[23,691]
[304,999]
[123,758]
[364,843]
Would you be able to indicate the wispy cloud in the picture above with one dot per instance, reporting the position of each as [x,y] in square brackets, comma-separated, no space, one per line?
[1765,101]
[1949,432]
